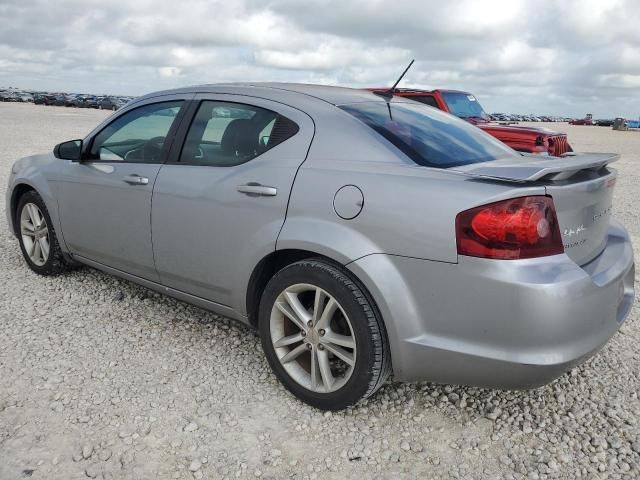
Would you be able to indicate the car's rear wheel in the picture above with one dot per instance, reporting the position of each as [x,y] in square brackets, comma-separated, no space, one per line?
[37,237]
[322,335]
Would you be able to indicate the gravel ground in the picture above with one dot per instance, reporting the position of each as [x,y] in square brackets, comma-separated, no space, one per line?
[101,378]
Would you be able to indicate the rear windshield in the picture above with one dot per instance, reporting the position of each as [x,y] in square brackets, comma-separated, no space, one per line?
[428,136]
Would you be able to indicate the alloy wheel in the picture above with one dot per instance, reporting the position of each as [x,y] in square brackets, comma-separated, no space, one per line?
[313,338]
[35,234]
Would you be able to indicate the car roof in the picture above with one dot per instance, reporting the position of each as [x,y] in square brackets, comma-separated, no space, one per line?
[293,93]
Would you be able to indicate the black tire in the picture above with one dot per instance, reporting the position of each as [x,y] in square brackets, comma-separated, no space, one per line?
[373,361]
[56,262]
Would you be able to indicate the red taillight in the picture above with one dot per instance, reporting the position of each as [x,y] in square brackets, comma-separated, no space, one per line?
[524,227]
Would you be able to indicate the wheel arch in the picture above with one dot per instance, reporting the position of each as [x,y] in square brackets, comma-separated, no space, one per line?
[39,184]
[265,269]
[18,191]
[269,265]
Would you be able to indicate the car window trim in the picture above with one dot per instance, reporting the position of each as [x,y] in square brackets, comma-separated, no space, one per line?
[180,139]
[190,111]
[168,141]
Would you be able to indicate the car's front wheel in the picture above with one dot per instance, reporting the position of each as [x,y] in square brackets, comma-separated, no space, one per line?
[322,335]
[37,237]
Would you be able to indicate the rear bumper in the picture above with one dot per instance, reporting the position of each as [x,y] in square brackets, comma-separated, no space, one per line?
[505,324]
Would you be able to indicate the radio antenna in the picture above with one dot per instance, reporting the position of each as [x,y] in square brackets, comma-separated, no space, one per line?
[389,93]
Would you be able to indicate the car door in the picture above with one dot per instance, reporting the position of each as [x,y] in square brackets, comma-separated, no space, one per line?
[105,199]
[220,201]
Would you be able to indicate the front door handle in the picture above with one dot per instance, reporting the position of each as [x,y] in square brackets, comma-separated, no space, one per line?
[136,180]
[257,190]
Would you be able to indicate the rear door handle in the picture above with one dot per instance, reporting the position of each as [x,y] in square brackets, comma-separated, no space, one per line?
[255,189]
[136,180]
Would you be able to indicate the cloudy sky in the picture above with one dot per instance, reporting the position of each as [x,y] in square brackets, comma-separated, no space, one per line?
[564,57]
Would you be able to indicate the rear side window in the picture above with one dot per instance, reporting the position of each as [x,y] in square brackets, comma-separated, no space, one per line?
[225,134]
[427,100]
[428,136]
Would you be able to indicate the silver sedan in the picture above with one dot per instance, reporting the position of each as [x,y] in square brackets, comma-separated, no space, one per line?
[360,233]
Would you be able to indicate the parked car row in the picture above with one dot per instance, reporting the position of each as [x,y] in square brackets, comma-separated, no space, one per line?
[604,122]
[15,96]
[586,120]
[506,117]
[82,101]
[103,102]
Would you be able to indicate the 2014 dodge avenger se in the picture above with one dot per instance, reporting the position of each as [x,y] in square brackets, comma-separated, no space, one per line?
[360,233]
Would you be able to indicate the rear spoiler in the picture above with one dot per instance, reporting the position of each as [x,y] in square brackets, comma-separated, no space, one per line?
[530,168]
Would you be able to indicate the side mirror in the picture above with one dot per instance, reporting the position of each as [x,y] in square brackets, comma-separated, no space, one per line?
[71,150]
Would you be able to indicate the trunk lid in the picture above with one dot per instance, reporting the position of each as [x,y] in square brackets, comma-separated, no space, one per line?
[582,189]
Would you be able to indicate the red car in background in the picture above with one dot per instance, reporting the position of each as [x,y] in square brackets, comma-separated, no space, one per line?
[588,120]
[537,140]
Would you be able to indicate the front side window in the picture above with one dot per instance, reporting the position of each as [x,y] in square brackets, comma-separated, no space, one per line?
[429,136]
[137,136]
[225,134]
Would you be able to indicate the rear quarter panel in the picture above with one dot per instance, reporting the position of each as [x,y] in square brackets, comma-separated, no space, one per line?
[408,210]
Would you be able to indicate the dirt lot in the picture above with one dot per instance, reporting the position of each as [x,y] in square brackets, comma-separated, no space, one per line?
[101,378]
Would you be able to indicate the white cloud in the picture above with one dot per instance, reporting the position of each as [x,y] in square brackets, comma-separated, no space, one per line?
[169,71]
[545,56]
[331,54]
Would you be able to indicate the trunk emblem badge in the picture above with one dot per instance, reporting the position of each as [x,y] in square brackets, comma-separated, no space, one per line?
[570,232]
